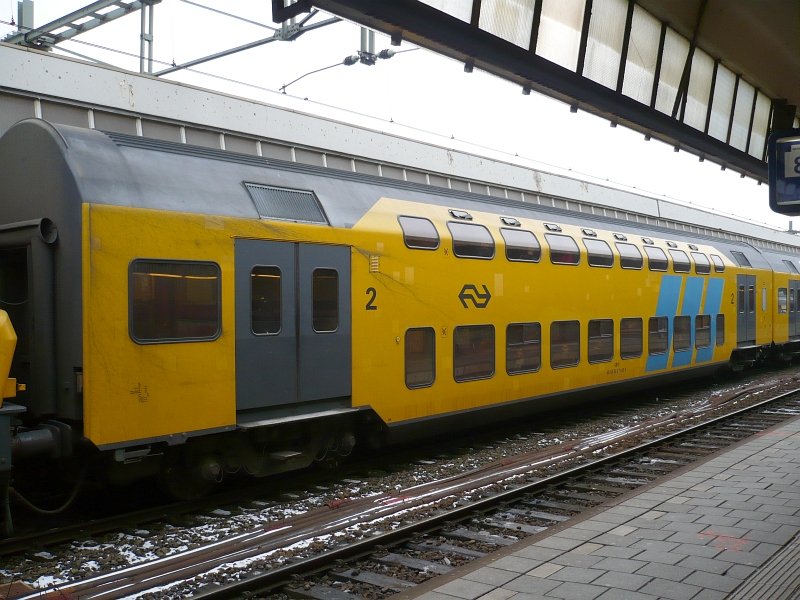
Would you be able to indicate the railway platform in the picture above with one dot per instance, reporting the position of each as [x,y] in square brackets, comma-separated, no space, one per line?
[728,527]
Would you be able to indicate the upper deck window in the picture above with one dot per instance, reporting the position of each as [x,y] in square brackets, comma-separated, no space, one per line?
[563,249]
[719,266]
[174,301]
[702,266]
[680,262]
[598,253]
[521,245]
[629,256]
[471,241]
[741,259]
[656,258]
[419,233]
[791,266]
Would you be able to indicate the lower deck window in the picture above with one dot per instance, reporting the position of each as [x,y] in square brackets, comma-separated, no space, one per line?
[473,352]
[420,357]
[630,338]
[782,300]
[601,340]
[523,347]
[565,344]
[720,330]
[682,335]
[657,335]
[174,301]
[702,331]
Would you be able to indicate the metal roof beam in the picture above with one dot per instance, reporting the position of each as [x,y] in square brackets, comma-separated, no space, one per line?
[425,26]
[45,37]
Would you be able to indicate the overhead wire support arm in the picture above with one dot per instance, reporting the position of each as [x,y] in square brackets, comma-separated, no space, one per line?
[275,37]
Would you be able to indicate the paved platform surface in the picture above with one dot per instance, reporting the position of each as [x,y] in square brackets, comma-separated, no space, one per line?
[727,528]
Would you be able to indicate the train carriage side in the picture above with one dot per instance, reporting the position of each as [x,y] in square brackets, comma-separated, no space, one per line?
[470,308]
[215,312]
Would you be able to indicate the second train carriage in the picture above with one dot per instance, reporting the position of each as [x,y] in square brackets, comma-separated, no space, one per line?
[184,310]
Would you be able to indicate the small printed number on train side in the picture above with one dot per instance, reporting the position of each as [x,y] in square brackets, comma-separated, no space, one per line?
[733,298]
[373,294]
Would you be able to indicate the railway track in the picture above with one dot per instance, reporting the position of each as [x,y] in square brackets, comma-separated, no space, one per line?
[405,537]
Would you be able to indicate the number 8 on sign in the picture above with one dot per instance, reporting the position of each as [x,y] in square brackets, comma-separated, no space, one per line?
[791,161]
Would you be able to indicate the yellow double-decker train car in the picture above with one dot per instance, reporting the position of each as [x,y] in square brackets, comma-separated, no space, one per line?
[187,312]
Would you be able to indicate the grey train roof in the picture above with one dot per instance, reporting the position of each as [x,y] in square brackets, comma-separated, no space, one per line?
[112,168]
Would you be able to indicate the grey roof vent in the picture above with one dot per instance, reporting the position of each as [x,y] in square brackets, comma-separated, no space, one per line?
[286,204]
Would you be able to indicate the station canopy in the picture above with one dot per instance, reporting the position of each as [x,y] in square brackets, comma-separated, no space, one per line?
[712,77]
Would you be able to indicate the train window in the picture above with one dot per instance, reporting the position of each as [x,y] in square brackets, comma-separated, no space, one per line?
[702,331]
[741,259]
[791,266]
[473,352]
[419,233]
[471,241]
[680,262]
[601,340]
[630,338]
[598,253]
[702,266]
[629,256]
[720,329]
[265,300]
[420,351]
[751,298]
[173,301]
[563,249]
[565,344]
[719,266]
[782,304]
[521,245]
[792,303]
[657,335]
[656,259]
[681,333]
[740,299]
[523,347]
[325,300]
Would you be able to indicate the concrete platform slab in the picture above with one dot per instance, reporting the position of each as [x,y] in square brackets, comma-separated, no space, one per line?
[726,528]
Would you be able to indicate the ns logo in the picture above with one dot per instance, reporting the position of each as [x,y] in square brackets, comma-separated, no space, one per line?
[471,293]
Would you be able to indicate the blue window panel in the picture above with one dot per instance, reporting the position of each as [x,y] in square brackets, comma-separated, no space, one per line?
[667,306]
[692,295]
[712,307]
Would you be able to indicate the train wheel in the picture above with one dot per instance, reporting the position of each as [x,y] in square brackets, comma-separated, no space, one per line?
[186,479]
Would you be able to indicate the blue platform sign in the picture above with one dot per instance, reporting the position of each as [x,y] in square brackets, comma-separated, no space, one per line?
[783,164]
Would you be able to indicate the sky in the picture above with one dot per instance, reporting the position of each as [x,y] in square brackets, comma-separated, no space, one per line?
[415,93]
